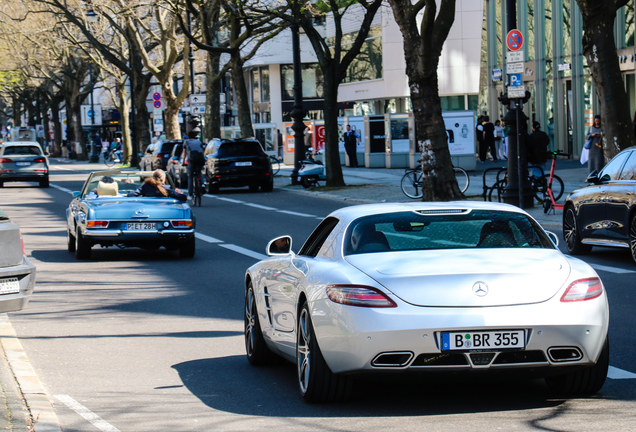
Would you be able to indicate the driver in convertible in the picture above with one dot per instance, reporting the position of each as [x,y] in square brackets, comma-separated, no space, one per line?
[156,186]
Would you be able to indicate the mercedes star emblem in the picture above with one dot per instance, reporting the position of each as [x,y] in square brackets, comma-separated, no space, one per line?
[480,289]
[139,212]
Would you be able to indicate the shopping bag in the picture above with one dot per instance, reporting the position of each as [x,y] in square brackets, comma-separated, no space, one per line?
[585,154]
[588,144]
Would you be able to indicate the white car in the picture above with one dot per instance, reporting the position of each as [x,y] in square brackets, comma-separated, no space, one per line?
[427,287]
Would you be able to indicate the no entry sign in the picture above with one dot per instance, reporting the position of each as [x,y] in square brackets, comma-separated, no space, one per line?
[514,40]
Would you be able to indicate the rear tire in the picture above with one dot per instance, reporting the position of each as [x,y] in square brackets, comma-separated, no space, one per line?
[188,249]
[584,382]
[44,183]
[571,234]
[258,353]
[82,246]
[306,182]
[70,240]
[1,183]
[316,381]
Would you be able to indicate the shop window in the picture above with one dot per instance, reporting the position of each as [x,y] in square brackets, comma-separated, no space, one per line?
[312,81]
[453,103]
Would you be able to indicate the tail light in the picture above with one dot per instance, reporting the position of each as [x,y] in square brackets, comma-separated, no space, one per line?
[22,242]
[182,223]
[359,295]
[6,160]
[185,163]
[583,289]
[40,159]
[96,224]
[159,156]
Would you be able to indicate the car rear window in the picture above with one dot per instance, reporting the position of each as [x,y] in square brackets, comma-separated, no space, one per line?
[241,148]
[22,150]
[444,229]
[167,147]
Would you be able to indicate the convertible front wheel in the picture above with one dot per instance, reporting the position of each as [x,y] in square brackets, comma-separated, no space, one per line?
[316,381]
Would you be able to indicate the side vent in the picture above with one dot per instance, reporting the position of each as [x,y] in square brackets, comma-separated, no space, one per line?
[268,306]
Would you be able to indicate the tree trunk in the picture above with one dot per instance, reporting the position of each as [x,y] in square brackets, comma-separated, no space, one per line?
[124,110]
[17,107]
[599,49]
[332,151]
[171,113]
[57,125]
[141,86]
[213,99]
[45,124]
[242,100]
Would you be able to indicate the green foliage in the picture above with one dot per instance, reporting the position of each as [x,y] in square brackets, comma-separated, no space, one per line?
[10,79]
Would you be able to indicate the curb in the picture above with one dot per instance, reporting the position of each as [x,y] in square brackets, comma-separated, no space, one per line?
[42,415]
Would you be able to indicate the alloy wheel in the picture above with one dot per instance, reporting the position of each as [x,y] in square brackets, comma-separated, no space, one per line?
[250,310]
[569,229]
[303,351]
[632,237]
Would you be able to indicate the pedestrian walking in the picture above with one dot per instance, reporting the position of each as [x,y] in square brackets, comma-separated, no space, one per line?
[596,160]
[538,148]
[499,134]
[489,138]
[479,131]
[351,140]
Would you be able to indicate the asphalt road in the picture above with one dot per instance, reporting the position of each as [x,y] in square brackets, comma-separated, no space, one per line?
[147,341]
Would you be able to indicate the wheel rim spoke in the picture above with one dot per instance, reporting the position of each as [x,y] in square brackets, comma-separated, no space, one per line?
[632,238]
[569,226]
[304,353]
[249,322]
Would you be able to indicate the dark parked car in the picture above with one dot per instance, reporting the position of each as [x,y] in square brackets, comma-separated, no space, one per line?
[157,155]
[604,213]
[236,163]
[177,168]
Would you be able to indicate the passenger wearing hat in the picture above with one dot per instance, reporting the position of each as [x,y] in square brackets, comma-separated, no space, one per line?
[538,146]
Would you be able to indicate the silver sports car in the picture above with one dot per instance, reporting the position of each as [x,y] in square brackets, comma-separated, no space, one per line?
[441,287]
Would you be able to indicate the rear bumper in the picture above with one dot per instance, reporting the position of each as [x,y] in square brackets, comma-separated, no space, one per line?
[237,180]
[24,176]
[138,235]
[25,273]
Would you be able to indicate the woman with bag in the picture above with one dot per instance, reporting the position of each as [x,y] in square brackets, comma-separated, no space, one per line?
[596,158]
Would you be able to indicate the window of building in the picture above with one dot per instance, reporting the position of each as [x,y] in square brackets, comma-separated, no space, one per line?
[312,81]
[368,63]
[255,84]
[473,102]
[265,84]
[453,103]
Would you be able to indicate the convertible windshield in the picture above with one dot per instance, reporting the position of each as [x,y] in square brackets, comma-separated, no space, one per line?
[126,182]
[443,229]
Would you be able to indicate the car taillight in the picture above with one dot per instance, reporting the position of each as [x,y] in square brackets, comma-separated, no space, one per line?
[185,163]
[40,159]
[96,224]
[358,295]
[159,156]
[583,289]
[182,223]
[6,160]
[22,242]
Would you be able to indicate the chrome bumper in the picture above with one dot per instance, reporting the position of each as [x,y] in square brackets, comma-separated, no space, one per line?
[119,233]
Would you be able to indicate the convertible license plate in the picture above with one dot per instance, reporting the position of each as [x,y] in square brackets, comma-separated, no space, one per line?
[243,163]
[141,226]
[23,163]
[9,286]
[483,340]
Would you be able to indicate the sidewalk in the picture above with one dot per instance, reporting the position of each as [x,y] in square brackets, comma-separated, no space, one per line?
[372,185]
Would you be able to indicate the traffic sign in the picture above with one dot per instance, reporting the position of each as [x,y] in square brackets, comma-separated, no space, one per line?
[514,40]
[515,80]
[156,96]
[157,104]
[514,56]
[517,92]
[197,99]
[512,68]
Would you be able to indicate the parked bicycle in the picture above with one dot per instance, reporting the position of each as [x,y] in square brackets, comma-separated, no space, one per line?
[538,184]
[412,181]
[110,158]
[275,164]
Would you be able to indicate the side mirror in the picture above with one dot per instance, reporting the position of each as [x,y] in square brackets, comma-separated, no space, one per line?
[280,246]
[553,237]
[592,178]
[76,194]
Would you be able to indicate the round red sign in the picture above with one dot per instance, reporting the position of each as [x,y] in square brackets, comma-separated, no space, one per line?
[514,40]
[157,104]
[156,96]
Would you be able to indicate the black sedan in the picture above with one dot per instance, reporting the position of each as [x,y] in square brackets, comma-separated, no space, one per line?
[604,213]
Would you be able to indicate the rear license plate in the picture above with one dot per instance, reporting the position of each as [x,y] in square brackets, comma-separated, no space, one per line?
[9,286]
[243,163]
[141,226]
[23,163]
[483,340]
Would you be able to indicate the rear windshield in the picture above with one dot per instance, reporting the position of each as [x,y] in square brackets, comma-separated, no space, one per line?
[167,147]
[242,148]
[22,150]
[427,230]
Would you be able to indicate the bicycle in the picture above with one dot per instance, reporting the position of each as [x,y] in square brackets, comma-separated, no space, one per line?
[412,181]
[198,190]
[538,184]
[110,158]
[275,162]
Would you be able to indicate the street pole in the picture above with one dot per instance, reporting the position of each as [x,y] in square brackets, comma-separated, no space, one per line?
[93,134]
[134,157]
[298,112]
[191,60]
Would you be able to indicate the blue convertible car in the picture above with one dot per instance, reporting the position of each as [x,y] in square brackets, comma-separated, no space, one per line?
[102,214]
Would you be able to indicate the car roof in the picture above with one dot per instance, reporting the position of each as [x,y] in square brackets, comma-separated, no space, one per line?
[355,212]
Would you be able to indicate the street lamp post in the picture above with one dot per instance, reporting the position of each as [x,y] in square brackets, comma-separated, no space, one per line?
[134,157]
[298,111]
[92,17]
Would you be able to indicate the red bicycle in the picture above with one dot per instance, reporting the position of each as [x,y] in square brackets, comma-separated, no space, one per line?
[549,200]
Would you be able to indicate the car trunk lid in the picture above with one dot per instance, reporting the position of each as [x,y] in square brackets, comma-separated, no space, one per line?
[449,278]
[137,208]
[11,250]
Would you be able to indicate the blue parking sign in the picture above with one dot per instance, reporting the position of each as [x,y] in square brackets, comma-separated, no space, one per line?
[515,80]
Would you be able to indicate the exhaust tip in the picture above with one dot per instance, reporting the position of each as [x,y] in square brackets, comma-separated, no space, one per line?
[392,359]
[564,354]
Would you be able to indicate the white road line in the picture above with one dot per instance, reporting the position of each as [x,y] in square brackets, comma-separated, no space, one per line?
[611,269]
[616,373]
[258,206]
[207,238]
[296,213]
[61,168]
[61,188]
[228,199]
[93,418]
[244,251]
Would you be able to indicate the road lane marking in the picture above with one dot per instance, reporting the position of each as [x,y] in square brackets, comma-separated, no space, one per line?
[611,269]
[296,213]
[258,206]
[61,168]
[244,251]
[206,238]
[616,373]
[68,191]
[93,418]
[226,199]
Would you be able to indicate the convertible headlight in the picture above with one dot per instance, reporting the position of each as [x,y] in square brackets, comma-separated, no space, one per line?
[359,295]
[583,289]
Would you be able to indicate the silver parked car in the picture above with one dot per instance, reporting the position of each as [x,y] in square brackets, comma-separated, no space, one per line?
[23,161]
[17,274]
[427,287]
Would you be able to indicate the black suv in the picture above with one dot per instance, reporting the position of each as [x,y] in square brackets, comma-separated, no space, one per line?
[157,155]
[235,163]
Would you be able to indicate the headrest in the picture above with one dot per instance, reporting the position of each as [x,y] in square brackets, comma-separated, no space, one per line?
[107,188]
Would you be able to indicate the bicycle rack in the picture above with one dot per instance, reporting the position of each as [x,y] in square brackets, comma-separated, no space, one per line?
[486,188]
